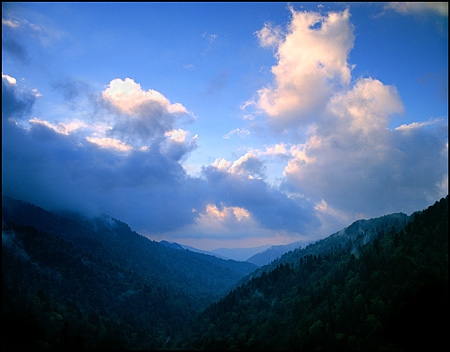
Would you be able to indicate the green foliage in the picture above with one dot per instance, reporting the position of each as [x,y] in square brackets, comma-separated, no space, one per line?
[390,294]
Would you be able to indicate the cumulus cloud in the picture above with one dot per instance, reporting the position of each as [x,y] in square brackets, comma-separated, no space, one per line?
[230,184]
[247,165]
[141,115]
[367,106]
[342,160]
[350,164]
[360,167]
[220,220]
[54,165]
[92,168]
[128,97]
[311,61]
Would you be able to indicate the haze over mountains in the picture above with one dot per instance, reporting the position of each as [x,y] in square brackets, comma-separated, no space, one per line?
[73,282]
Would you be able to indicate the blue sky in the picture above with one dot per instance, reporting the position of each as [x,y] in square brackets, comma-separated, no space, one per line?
[226,124]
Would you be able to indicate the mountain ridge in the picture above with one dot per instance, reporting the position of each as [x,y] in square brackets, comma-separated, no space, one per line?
[77,282]
[69,266]
[274,252]
[360,231]
[383,291]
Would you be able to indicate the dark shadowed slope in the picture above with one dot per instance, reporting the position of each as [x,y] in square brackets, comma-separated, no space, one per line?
[95,279]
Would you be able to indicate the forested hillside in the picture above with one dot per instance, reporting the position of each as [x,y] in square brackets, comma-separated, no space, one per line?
[69,282]
[391,293]
[351,238]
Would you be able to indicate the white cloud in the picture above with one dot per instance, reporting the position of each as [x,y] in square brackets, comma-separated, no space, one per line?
[311,62]
[10,23]
[415,125]
[178,135]
[269,36]
[417,8]
[221,164]
[9,79]
[214,216]
[240,132]
[62,128]
[110,143]
[351,165]
[127,96]
[142,117]
[274,150]
[367,106]
[248,165]
[370,172]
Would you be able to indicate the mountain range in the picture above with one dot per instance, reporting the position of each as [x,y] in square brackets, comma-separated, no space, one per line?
[259,256]
[72,282]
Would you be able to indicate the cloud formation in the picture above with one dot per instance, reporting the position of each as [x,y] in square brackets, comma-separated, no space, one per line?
[16,102]
[417,8]
[351,164]
[311,62]
[120,150]
[77,165]
[56,165]
[141,116]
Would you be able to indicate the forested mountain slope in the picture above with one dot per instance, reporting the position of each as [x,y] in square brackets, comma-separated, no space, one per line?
[391,293]
[350,238]
[274,252]
[70,281]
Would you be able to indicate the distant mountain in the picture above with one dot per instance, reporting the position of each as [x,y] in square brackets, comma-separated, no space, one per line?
[192,249]
[241,254]
[94,282]
[274,252]
[379,284]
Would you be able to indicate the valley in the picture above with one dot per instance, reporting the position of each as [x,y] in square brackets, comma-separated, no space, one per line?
[75,282]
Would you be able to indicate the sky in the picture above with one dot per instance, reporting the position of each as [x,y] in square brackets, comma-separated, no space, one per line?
[226,124]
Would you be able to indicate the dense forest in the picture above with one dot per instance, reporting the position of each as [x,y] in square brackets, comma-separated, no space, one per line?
[71,282]
[74,283]
[392,293]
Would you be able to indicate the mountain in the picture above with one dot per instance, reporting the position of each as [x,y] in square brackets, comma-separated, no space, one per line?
[351,238]
[71,282]
[241,254]
[189,248]
[172,245]
[274,252]
[94,282]
[383,289]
